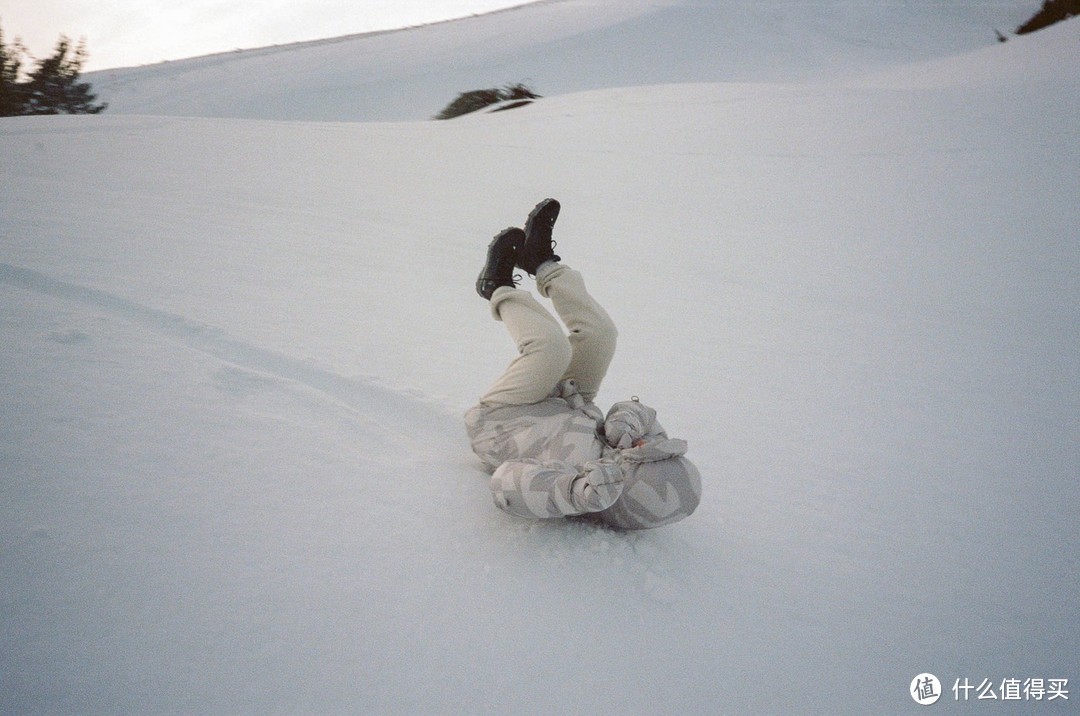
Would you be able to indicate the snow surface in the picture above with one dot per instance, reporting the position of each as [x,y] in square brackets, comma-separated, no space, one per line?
[234,355]
[558,47]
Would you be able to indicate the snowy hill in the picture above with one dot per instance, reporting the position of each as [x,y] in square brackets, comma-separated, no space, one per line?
[234,356]
[557,46]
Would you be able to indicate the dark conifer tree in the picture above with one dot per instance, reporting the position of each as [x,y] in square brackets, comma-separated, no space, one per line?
[11,92]
[478,99]
[53,87]
[1052,11]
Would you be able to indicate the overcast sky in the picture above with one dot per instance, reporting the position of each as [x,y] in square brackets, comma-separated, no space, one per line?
[121,33]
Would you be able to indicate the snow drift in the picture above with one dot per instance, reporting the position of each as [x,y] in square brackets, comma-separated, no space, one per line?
[557,47]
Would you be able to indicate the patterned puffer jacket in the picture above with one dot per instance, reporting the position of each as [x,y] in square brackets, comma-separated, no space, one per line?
[536,451]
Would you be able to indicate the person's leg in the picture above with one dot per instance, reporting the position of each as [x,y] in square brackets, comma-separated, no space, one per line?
[592,333]
[543,350]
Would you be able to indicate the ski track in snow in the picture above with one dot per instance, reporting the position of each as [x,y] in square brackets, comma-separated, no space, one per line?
[416,420]
[356,394]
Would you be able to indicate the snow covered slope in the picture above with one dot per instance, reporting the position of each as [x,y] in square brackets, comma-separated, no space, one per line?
[557,46]
[234,355]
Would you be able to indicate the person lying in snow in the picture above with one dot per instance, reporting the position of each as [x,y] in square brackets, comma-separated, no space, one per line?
[551,451]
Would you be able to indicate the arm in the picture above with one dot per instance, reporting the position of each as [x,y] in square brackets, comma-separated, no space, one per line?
[631,423]
[536,489]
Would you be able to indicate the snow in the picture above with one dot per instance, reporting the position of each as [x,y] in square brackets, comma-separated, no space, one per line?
[558,47]
[235,354]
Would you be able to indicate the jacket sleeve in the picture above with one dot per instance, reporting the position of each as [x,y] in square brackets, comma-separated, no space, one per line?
[629,420]
[538,489]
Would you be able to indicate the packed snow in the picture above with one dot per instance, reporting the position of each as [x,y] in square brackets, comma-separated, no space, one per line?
[235,354]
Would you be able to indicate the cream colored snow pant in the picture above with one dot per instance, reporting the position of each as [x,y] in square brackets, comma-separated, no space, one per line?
[546,355]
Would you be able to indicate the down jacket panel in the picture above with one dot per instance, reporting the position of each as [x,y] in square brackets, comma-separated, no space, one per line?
[551,442]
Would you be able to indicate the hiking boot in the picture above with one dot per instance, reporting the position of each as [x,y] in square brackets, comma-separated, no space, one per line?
[538,246]
[499,268]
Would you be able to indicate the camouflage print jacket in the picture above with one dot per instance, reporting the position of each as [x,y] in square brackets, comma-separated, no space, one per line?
[562,427]
[536,451]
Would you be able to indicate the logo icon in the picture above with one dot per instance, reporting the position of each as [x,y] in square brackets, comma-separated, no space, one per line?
[925,689]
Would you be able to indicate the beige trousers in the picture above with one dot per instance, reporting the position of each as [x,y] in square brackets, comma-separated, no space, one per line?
[547,355]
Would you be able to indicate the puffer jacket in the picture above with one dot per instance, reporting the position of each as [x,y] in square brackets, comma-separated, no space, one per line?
[536,451]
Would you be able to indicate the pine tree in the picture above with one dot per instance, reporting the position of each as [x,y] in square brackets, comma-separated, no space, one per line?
[474,100]
[53,88]
[11,92]
[1051,12]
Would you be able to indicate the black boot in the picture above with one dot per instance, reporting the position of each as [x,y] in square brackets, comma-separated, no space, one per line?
[501,254]
[538,244]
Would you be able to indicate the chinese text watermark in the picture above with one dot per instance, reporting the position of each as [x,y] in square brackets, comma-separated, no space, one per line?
[926,689]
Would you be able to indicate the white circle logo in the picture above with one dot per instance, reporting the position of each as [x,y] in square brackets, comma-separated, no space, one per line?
[925,689]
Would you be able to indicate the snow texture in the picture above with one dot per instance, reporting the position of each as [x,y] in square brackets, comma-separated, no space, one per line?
[558,47]
[235,353]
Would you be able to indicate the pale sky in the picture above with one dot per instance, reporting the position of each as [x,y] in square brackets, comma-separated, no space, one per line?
[122,33]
